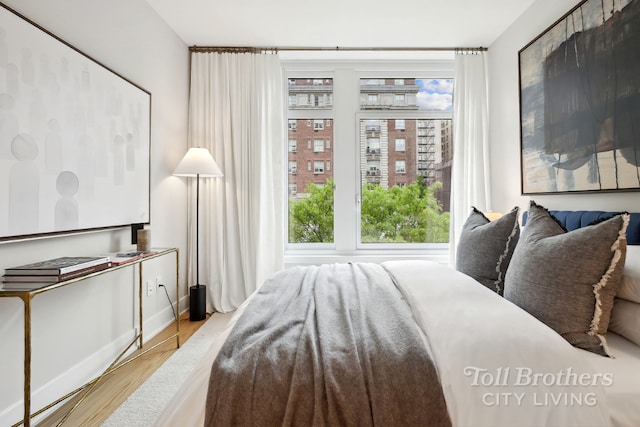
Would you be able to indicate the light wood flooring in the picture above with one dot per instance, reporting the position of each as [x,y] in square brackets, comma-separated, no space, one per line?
[114,389]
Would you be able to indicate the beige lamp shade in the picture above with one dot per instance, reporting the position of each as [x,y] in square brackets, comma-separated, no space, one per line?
[197,162]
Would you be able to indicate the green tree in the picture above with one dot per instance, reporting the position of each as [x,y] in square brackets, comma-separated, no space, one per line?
[311,218]
[409,214]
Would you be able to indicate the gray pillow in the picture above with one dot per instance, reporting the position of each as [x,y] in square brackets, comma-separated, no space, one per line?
[485,247]
[568,279]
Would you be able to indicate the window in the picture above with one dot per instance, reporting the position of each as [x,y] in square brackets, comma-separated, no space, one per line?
[391,149]
[293,145]
[373,145]
[314,131]
[293,167]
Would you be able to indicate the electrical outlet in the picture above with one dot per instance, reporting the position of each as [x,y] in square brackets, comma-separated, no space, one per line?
[149,287]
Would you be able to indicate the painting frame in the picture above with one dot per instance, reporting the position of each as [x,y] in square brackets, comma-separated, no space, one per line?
[75,137]
[579,101]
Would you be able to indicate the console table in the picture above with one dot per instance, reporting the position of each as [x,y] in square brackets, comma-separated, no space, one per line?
[28,295]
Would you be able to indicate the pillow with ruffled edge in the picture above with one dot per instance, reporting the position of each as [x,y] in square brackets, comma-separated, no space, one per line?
[485,247]
[568,279]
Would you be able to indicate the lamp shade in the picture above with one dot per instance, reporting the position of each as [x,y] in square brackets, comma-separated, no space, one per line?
[197,162]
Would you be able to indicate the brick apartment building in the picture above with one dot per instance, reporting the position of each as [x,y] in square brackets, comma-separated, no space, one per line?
[392,151]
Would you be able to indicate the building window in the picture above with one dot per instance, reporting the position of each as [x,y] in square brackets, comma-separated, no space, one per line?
[293,167]
[396,120]
[373,168]
[373,145]
[293,146]
[292,125]
[318,124]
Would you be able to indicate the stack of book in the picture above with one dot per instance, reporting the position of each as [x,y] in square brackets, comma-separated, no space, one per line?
[56,270]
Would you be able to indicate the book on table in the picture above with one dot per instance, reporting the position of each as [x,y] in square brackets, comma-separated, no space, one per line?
[16,286]
[53,278]
[118,258]
[56,266]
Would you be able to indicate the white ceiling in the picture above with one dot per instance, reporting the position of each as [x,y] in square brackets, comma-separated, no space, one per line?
[343,23]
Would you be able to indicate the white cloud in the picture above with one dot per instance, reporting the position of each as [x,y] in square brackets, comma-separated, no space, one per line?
[434,101]
[435,94]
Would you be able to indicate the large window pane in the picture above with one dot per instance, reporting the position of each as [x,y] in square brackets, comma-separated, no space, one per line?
[405,180]
[311,187]
[311,184]
[406,94]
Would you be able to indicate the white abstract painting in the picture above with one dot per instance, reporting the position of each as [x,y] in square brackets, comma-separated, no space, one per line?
[74,137]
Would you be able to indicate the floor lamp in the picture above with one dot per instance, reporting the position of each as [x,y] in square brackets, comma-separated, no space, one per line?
[198,163]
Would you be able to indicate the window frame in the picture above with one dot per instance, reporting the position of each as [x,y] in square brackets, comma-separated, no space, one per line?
[346,75]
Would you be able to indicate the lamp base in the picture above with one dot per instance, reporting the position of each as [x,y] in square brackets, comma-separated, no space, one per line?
[197,303]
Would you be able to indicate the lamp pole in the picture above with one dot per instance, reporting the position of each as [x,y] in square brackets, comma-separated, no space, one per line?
[197,230]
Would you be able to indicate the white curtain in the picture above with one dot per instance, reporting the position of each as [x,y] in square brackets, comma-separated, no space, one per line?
[470,181]
[236,110]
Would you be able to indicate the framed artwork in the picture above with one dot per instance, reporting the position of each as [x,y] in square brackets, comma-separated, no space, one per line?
[580,101]
[74,137]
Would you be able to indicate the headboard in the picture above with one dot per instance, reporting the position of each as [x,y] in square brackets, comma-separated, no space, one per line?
[577,219]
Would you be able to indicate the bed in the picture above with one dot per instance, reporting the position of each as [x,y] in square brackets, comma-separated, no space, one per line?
[452,347]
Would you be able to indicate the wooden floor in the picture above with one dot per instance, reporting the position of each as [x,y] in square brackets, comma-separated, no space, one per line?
[114,389]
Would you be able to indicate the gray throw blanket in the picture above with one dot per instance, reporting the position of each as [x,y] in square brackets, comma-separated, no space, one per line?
[334,345]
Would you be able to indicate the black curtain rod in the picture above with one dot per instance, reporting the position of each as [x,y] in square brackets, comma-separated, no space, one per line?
[232,49]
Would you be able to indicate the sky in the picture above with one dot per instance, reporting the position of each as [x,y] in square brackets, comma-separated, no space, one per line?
[435,94]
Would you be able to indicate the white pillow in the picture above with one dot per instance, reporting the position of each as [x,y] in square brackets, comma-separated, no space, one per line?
[625,320]
[630,287]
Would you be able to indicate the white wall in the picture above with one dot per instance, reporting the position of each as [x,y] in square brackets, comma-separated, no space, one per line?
[504,119]
[76,327]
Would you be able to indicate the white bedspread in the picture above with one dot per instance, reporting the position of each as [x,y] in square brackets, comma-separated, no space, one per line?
[623,395]
[487,350]
[476,337]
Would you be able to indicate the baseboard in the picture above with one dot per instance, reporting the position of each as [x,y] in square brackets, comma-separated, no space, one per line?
[87,369]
